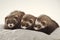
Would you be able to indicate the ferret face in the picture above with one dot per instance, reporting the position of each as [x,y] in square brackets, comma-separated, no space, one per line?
[27,21]
[39,25]
[11,22]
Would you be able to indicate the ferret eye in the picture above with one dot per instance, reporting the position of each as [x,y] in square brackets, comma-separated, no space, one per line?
[30,21]
[23,25]
[15,17]
[43,22]
[13,21]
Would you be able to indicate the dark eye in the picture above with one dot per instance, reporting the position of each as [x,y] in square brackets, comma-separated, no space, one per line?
[13,21]
[43,23]
[22,24]
[30,21]
[8,21]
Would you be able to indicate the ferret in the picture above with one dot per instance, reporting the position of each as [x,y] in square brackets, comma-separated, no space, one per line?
[12,21]
[45,24]
[27,21]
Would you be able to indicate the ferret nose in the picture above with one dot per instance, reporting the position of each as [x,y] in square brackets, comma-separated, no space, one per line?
[10,25]
[35,26]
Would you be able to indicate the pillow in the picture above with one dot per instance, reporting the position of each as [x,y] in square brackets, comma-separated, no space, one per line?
[56,34]
[21,34]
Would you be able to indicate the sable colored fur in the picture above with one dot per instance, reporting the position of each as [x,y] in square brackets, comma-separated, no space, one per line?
[13,20]
[45,24]
[28,21]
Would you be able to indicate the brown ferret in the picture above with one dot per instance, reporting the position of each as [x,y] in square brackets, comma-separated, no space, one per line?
[27,21]
[13,20]
[45,24]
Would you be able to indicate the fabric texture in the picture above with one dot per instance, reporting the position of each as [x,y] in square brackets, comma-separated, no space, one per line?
[21,34]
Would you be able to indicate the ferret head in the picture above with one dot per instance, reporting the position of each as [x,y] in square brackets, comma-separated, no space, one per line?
[18,14]
[39,24]
[27,21]
[11,21]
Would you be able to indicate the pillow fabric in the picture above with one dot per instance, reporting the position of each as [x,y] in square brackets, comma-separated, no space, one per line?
[21,34]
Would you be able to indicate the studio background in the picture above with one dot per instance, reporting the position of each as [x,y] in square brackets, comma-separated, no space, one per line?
[33,7]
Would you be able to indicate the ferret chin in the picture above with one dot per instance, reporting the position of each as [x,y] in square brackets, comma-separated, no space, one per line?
[13,20]
[27,21]
[45,24]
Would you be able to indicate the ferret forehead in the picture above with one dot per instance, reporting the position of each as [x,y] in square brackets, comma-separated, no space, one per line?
[37,22]
[28,15]
[11,18]
[25,16]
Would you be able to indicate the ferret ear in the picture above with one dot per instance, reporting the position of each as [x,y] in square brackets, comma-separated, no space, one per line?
[6,17]
[15,17]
